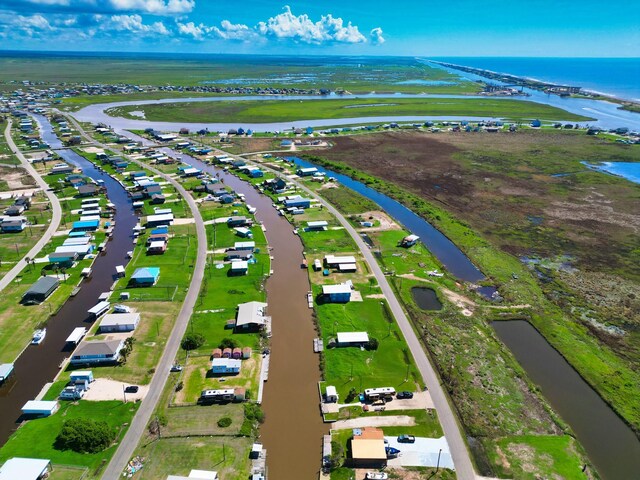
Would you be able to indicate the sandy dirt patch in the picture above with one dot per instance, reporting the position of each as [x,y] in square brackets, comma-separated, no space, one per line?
[386,223]
[361,422]
[107,389]
[93,150]
[183,221]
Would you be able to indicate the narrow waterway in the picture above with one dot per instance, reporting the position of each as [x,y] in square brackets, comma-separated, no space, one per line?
[38,365]
[293,430]
[451,257]
[611,445]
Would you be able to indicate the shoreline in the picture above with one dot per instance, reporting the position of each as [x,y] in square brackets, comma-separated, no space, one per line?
[537,84]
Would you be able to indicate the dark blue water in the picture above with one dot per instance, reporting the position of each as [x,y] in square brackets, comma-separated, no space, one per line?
[619,77]
[444,249]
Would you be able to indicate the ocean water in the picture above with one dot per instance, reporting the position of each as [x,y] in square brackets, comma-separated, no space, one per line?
[613,76]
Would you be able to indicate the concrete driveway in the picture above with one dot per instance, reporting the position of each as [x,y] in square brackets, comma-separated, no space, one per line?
[423,453]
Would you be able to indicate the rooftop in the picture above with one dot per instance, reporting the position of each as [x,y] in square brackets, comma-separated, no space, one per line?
[24,468]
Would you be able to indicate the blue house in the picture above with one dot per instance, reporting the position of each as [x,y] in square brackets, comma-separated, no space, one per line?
[306,172]
[536,123]
[145,277]
[227,199]
[225,366]
[286,143]
[160,230]
[337,293]
[9,226]
[309,131]
[298,202]
[86,226]
[256,173]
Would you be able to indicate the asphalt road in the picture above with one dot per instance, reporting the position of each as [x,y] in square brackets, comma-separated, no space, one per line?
[448,419]
[147,407]
[55,205]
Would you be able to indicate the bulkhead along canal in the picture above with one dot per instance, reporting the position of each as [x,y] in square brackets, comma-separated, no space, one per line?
[293,429]
[38,365]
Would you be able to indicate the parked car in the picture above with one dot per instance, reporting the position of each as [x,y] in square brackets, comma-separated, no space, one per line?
[376,476]
[406,439]
[131,389]
[176,368]
[404,394]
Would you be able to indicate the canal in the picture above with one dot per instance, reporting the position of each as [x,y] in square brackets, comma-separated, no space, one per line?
[611,445]
[451,257]
[293,429]
[38,365]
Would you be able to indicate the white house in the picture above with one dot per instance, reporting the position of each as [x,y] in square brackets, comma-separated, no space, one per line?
[25,469]
[225,366]
[119,322]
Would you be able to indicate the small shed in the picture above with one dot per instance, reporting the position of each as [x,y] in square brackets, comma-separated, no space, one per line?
[331,394]
[246,353]
[239,268]
[82,376]
[243,232]
[225,366]
[217,353]
[226,353]
[236,353]
[409,241]
[40,291]
[40,408]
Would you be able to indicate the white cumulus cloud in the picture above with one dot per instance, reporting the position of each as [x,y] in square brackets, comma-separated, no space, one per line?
[154,7]
[376,36]
[300,28]
[131,23]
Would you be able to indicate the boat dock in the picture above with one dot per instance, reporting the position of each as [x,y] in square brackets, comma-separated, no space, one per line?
[264,376]
[318,346]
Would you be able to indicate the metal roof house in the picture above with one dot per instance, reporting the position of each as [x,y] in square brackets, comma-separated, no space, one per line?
[25,469]
[319,225]
[40,408]
[306,172]
[225,366]
[159,220]
[352,339]
[239,268]
[119,322]
[251,316]
[40,291]
[297,202]
[9,226]
[86,225]
[367,448]
[409,241]
[244,246]
[337,293]
[145,277]
[97,352]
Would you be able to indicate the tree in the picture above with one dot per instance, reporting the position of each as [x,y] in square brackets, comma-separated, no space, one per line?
[228,343]
[191,341]
[127,348]
[373,344]
[84,435]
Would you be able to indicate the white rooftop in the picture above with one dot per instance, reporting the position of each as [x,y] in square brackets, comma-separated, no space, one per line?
[40,405]
[226,362]
[251,313]
[115,319]
[23,468]
[242,265]
[332,259]
[353,337]
[341,288]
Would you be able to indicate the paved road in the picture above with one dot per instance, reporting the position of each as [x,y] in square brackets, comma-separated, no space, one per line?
[138,425]
[448,419]
[55,219]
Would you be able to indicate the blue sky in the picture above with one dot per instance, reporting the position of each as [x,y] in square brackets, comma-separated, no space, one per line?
[373,27]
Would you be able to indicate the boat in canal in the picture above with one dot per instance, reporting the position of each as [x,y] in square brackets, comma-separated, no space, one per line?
[38,336]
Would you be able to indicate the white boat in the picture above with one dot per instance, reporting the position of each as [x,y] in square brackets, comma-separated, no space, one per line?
[38,336]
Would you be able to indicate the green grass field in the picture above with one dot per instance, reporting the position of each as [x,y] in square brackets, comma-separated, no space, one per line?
[36,438]
[282,111]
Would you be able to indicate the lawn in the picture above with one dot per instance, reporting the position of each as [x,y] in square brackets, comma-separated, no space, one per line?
[530,457]
[348,201]
[36,438]
[349,367]
[198,377]
[229,456]
[287,111]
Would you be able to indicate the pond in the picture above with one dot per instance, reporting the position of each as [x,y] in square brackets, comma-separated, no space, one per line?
[426,298]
